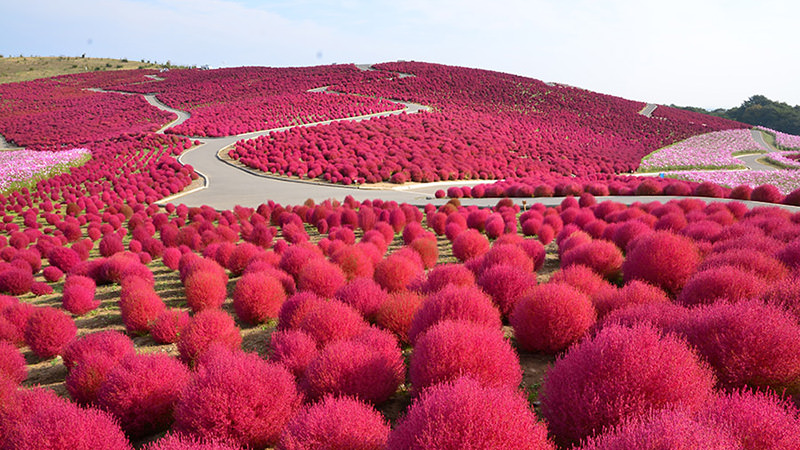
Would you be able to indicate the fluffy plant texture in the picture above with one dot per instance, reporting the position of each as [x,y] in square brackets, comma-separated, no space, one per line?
[84,380]
[211,326]
[297,256]
[397,313]
[78,295]
[633,293]
[627,232]
[508,254]
[293,349]
[110,343]
[368,367]
[52,274]
[12,363]
[14,281]
[469,244]
[785,294]
[397,271]
[455,303]
[665,429]
[258,297]
[757,420]
[331,321]
[168,325]
[757,263]
[551,317]
[241,256]
[454,415]
[506,284]
[427,249]
[583,393]
[110,245]
[295,308]
[181,442]
[239,397]
[789,255]
[363,294]
[749,344]
[336,423]
[584,279]
[662,259]
[48,331]
[353,262]
[171,257]
[141,391]
[721,283]
[603,257]
[321,277]
[59,425]
[206,289]
[451,348]
[63,258]
[444,274]
[139,305]
[667,317]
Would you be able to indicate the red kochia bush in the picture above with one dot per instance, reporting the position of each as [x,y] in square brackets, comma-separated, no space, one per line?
[662,259]
[665,429]
[141,392]
[721,283]
[603,257]
[444,274]
[336,423]
[321,277]
[168,325]
[454,415]
[363,294]
[295,308]
[12,363]
[293,349]
[330,321]
[582,392]
[211,326]
[368,366]
[551,317]
[258,297]
[63,258]
[634,293]
[206,289]
[467,303]
[757,420]
[451,348]
[506,284]
[78,297]
[237,396]
[110,343]
[181,442]
[15,281]
[354,262]
[85,379]
[398,270]
[469,244]
[48,331]
[139,305]
[584,279]
[749,344]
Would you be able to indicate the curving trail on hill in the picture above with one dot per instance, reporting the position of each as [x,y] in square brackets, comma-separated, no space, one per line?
[648,109]
[752,161]
[4,143]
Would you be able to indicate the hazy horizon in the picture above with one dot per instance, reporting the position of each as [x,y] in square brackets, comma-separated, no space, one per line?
[710,54]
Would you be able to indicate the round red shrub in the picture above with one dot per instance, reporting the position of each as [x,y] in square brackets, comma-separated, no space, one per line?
[584,279]
[84,380]
[428,250]
[237,396]
[171,257]
[110,343]
[111,244]
[582,392]
[12,363]
[181,442]
[766,193]
[210,326]
[63,258]
[506,284]
[603,257]
[448,415]
[760,264]
[353,262]
[466,303]
[450,349]
[397,271]
[445,274]
[295,308]
[397,313]
[633,293]
[15,281]
[508,254]
[78,296]
[341,423]
[206,289]
[297,256]
[721,283]
[48,331]
[627,232]
[363,294]
[789,255]
[748,344]
[258,297]
[139,305]
[662,259]
[551,317]
[168,325]
[708,189]
[330,321]
[141,391]
[321,277]
[241,256]
[368,366]
[469,244]
[294,349]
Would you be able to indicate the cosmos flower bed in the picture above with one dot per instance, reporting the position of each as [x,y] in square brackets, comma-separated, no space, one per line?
[18,167]
[784,140]
[714,150]
[785,180]
[786,160]
[225,102]
[484,125]
[50,114]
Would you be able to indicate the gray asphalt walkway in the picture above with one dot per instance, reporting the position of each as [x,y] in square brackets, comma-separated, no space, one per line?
[4,143]
[648,109]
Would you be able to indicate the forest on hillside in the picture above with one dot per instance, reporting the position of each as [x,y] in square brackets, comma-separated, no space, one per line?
[759,110]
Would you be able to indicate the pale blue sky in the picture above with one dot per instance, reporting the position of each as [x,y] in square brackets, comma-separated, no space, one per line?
[710,53]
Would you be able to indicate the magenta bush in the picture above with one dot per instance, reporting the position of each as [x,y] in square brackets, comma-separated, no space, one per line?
[765,266]
[603,257]
[633,293]
[467,303]
[662,259]
[210,326]
[139,305]
[78,295]
[14,281]
[582,392]
[368,366]
[785,294]
[141,391]
[341,423]
[321,277]
[237,396]
[258,297]
[506,284]
[84,380]
[397,271]
[766,193]
[181,442]
[353,262]
[726,283]
[450,349]
[295,308]
[445,274]
[206,289]
[469,244]
[789,255]
[363,294]
[12,363]
[294,349]
[584,279]
[551,317]
[449,415]
[331,321]
[63,258]
[508,254]
[397,313]
[110,343]
[48,331]
[168,325]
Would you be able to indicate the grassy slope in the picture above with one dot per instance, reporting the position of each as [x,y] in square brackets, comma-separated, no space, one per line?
[13,69]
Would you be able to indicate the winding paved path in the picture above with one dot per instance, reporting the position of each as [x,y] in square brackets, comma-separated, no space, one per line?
[648,109]
[4,143]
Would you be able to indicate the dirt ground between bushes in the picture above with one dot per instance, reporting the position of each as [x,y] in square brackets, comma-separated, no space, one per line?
[51,373]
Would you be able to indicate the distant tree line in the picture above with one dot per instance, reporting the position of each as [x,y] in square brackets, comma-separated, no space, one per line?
[759,110]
